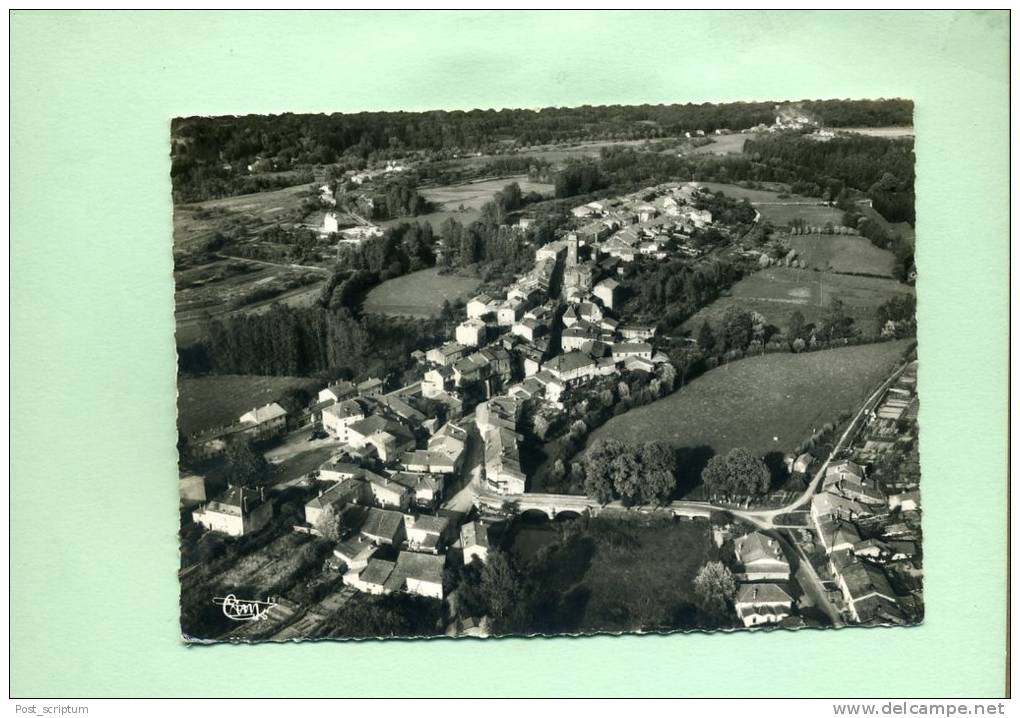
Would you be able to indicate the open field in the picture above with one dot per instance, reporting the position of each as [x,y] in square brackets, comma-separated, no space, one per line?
[554,154]
[613,576]
[199,221]
[765,404]
[419,294]
[770,195]
[880,131]
[843,253]
[464,201]
[815,215]
[722,145]
[781,210]
[209,401]
[777,292]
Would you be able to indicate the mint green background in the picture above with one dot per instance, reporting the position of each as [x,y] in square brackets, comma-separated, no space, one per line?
[93,504]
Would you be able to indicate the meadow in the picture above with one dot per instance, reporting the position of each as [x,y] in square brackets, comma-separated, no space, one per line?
[843,253]
[209,401]
[777,292]
[766,404]
[781,210]
[419,294]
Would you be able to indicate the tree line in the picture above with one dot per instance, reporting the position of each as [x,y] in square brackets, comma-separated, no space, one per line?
[210,155]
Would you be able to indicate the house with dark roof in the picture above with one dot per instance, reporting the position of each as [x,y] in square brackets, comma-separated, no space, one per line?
[418,573]
[338,392]
[761,558]
[379,526]
[237,512]
[425,533]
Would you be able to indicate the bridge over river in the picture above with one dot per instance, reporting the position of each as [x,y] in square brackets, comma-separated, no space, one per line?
[554,504]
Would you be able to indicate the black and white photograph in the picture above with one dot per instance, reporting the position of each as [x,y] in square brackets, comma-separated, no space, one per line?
[547,371]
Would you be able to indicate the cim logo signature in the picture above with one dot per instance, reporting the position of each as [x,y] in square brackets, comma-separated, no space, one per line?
[240,609]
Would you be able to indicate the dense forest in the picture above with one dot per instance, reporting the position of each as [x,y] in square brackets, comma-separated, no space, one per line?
[877,168]
[210,155]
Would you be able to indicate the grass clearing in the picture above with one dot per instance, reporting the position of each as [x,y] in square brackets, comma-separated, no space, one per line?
[206,402]
[723,145]
[765,404]
[419,294]
[777,292]
[619,575]
[815,215]
[843,253]
[200,220]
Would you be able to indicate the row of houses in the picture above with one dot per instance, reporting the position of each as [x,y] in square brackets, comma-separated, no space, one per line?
[863,533]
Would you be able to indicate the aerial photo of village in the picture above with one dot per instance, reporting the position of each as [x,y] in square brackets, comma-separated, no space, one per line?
[547,371]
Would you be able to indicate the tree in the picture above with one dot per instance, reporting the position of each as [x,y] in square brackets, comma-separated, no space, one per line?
[706,339]
[510,510]
[736,473]
[797,324]
[658,468]
[714,589]
[245,466]
[330,524]
[738,327]
[501,590]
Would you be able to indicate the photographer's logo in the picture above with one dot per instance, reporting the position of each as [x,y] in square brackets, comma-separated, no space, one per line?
[239,609]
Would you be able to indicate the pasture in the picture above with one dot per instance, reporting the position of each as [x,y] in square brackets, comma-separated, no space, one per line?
[777,292]
[723,145]
[766,404]
[843,253]
[464,201]
[815,215]
[206,402]
[419,294]
[781,210]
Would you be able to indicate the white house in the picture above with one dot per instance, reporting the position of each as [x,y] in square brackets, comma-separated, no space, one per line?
[474,541]
[762,603]
[338,392]
[266,421]
[471,332]
[237,512]
[338,418]
[606,291]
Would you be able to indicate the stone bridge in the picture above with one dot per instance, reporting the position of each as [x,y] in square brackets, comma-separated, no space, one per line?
[553,505]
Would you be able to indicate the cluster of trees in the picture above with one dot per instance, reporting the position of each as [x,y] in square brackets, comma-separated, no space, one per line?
[310,341]
[578,177]
[494,589]
[199,182]
[591,406]
[736,474]
[672,291]
[725,209]
[399,198]
[900,308]
[394,615]
[492,248]
[861,113]
[407,247]
[881,168]
[714,591]
[644,473]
